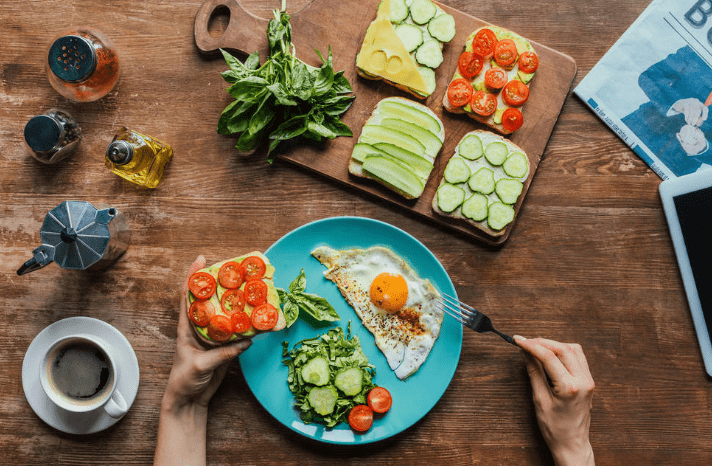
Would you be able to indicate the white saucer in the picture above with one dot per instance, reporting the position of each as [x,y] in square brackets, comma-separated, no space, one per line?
[60,419]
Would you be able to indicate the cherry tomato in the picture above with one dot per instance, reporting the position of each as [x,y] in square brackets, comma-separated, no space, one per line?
[495,78]
[484,42]
[231,275]
[200,312]
[241,322]
[255,292]
[233,301]
[470,64]
[528,62]
[379,400]
[361,418]
[483,103]
[515,92]
[459,92]
[219,328]
[254,267]
[264,317]
[512,119]
[505,52]
[202,285]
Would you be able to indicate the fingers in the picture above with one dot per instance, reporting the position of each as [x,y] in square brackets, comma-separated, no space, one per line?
[183,322]
[540,387]
[549,360]
[216,357]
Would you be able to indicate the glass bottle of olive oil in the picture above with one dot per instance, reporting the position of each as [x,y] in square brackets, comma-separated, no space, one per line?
[138,158]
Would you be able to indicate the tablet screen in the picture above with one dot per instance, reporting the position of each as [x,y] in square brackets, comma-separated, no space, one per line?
[694,211]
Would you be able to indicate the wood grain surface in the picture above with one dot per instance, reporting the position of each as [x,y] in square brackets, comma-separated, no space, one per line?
[244,33]
[590,259]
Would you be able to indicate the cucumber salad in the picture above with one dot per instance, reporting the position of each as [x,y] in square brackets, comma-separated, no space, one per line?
[329,375]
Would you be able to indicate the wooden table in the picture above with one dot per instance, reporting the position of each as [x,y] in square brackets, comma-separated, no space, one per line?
[589,260]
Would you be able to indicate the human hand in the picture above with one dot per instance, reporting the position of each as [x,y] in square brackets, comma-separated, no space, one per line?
[197,372]
[695,112]
[563,405]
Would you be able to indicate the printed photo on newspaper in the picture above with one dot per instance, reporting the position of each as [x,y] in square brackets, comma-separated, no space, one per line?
[654,87]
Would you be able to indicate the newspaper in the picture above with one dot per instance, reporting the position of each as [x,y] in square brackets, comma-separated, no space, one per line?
[654,87]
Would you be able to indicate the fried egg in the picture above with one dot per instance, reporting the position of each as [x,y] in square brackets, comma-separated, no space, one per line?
[392,301]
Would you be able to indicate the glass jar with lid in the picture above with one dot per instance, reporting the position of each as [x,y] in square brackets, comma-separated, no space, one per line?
[82,64]
[52,136]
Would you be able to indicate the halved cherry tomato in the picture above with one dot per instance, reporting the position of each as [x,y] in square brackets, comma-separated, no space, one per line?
[361,418]
[459,92]
[528,61]
[483,103]
[202,285]
[484,42]
[379,400]
[241,322]
[505,52]
[231,275]
[470,64]
[219,328]
[512,119]
[200,312]
[254,267]
[233,301]
[264,317]
[255,292]
[495,78]
[515,92]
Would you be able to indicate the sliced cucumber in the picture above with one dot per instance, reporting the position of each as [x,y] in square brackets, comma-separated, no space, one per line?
[420,165]
[499,215]
[442,27]
[516,165]
[349,381]
[372,134]
[388,108]
[323,399]
[422,11]
[475,207]
[362,150]
[450,197]
[431,142]
[395,175]
[508,190]
[316,371]
[429,54]
[399,11]
[496,153]
[470,147]
[429,77]
[457,171]
[411,36]
[482,181]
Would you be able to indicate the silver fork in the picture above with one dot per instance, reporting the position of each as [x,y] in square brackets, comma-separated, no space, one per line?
[469,316]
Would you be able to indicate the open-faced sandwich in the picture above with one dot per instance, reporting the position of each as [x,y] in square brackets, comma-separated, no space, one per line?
[403,45]
[492,77]
[482,182]
[398,145]
[234,299]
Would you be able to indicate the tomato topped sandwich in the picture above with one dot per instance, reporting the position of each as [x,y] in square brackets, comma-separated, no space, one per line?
[234,299]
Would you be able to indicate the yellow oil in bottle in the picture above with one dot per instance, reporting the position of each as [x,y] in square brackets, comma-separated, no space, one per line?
[138,158]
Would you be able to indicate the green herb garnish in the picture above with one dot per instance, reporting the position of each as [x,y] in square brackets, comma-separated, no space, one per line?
[297,300]
[284,98]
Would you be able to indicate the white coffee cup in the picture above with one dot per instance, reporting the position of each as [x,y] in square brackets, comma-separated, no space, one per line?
[79,374]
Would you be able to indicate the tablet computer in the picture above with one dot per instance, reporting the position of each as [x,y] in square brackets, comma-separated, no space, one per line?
[687,202]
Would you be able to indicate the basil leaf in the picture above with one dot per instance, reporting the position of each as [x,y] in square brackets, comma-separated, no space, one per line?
[316,306]
[264,114]
[233,62]
[299,284]
[253,61]
[291,312]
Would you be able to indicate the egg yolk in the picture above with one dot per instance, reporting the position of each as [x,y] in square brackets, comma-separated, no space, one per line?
[389,291]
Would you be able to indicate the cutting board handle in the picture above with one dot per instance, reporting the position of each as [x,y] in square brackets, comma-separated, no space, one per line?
[245,32]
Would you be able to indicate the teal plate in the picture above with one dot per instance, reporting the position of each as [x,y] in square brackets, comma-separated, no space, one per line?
[414,397]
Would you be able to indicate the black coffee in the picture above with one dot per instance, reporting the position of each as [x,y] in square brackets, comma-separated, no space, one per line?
[81,371]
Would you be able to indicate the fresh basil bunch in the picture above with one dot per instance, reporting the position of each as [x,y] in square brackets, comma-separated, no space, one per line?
[297,300]
[284,98]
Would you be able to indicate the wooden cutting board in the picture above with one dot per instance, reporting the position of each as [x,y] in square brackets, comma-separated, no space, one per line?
[342,25]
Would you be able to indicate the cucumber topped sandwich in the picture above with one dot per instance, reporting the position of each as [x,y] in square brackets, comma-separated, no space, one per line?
[403,45]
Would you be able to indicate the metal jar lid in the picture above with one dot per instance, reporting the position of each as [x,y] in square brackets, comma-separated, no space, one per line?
[43,133]
[72,58]
[120,152]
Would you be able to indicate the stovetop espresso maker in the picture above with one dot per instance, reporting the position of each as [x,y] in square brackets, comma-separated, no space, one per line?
[77,235]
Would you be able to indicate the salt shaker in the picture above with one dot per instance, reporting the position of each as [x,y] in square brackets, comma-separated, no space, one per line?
[52,136]
[137,157]
[82,64]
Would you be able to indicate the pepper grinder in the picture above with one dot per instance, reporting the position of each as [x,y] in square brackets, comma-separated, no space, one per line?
[52,136]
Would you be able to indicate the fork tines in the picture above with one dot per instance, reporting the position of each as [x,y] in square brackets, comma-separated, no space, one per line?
[464,313]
